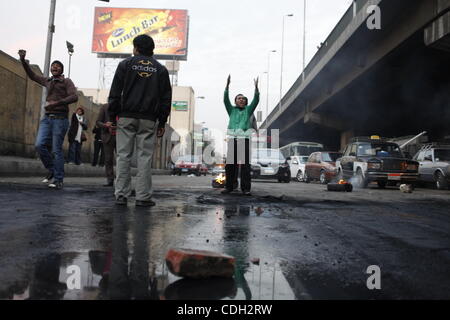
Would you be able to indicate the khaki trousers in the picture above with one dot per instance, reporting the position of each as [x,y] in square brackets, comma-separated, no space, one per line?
[142,134]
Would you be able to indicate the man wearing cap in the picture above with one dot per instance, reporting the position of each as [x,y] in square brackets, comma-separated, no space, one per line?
[53,127]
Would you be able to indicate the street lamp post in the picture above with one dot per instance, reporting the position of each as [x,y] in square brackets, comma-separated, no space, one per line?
[70,51]
[282,52]
[173,64]
[304,39]
[48,51]
[268,72]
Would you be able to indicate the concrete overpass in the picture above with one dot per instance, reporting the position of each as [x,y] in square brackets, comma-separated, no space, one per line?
[392,82]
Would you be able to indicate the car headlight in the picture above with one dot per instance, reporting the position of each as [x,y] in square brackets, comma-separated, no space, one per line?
[374,165]
[412,167]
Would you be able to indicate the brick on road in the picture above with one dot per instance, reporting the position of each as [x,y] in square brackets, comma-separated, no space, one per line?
[198,264]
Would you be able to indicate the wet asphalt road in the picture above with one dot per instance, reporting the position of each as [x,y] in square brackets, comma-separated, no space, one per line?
[311,243]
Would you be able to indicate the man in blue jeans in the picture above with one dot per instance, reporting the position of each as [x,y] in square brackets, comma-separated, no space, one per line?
[53,127]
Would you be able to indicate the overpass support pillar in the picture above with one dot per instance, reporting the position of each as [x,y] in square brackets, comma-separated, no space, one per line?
[437,34]
[345,138]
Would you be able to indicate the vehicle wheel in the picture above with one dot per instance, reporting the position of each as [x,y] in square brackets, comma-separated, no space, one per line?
[441,183]
[198,173]
[299,176]
[322,177]
[204,173]
[306,178]
[361,181]
[288,180]
[382,184]
[179,174]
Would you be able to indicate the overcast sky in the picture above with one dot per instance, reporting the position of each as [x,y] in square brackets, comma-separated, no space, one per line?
[226,37]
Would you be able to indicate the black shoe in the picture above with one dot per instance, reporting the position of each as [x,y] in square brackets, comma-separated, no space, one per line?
[121,201]
[58,185]
[146,203]
[48,178]
[226,191]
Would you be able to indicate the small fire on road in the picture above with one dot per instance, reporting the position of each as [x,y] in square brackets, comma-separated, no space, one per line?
[219,181]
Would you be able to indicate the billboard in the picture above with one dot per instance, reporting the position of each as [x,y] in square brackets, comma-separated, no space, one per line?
[115,28]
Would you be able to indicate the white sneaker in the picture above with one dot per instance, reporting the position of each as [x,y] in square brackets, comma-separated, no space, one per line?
[56,185]
[48,178]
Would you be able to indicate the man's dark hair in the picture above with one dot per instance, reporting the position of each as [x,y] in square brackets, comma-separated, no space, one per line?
[60,64]
[144,44]
[241,95]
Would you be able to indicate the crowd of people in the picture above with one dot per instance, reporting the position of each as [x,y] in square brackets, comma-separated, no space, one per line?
[138,107]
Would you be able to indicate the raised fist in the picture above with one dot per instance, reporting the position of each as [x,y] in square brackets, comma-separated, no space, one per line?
[22,54]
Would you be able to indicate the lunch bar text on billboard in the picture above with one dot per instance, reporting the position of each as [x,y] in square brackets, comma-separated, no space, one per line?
[115,29]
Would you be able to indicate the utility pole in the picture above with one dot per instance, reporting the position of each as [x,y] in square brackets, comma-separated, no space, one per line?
[268,78]
[48,52]
[304,39]
[282,52]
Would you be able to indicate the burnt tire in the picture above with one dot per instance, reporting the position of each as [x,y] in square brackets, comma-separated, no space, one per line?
[441,183]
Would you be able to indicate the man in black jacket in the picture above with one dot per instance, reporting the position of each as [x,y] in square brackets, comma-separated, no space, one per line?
[139,101]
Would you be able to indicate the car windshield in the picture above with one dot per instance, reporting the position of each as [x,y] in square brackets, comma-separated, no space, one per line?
[380,150]
[330,157]
[442,154]
[303,159]
[271,154]
[304,150]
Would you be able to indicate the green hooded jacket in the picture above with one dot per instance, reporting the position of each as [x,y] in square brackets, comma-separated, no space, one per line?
[240,123]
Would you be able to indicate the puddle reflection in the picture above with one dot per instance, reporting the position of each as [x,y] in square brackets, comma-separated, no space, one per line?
[133,269]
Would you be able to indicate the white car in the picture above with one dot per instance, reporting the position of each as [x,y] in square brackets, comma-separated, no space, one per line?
[297,165]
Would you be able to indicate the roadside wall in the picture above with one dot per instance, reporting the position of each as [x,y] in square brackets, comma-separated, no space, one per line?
[20,114]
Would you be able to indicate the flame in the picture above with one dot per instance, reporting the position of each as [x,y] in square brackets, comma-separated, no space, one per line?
[342,182]
[221,179]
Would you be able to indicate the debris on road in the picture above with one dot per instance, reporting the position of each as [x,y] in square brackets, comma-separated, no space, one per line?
[273,198]
[198,264]
[206,200]
[259,211]
[406,188]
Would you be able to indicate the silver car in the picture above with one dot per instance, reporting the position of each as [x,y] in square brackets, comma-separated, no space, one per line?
[434,165]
